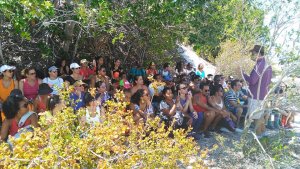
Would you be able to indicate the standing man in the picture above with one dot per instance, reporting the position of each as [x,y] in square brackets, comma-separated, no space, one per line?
[258,81]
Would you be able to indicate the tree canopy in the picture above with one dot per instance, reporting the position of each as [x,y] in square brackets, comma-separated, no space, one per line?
[138,31]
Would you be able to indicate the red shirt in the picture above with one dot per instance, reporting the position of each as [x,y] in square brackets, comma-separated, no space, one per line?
[86,72]
[14,126]
[198,108]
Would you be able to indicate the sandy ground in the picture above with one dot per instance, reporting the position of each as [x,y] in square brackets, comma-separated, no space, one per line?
[225,150]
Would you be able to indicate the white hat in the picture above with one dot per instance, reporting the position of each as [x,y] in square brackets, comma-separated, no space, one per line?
[6,67]
[74,66]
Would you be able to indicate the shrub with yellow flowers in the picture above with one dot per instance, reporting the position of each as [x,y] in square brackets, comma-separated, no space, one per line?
[116,142]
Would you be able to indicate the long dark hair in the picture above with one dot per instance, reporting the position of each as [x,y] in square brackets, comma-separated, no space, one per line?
[136,97]
[53,101]
[11,106]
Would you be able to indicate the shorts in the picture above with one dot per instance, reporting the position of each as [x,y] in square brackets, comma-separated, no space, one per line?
[254,105]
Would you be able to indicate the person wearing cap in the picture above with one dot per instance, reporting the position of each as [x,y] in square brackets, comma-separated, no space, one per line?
[18,117]
[41,101]
[53,81]
[258,81]
[30,85]
[7,84]
[86,72]
[75,76]
[76,97]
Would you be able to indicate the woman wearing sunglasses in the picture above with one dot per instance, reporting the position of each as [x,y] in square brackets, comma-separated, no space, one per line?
[7,83]
[30,85]
[17,116]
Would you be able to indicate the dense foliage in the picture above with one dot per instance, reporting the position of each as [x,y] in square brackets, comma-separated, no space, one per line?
[117,142]
[140,31]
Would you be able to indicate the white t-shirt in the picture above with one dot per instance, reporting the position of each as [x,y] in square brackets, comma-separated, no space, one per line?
[54,84]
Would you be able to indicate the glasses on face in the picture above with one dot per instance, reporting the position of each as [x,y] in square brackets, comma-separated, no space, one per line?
[207,90]
[76,68]
[32,73]
[54,71]
[183,88]
[10,71]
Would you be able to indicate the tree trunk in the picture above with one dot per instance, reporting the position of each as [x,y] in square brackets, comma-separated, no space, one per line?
[1,54]
[69,29]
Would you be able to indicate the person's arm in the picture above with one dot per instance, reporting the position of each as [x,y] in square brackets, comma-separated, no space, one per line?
[211,102]
[16,84]
[34,120]
[171,111]
[5,129]
[39,81]
[21,83]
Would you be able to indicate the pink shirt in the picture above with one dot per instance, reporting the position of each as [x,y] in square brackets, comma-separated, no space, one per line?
[30,92]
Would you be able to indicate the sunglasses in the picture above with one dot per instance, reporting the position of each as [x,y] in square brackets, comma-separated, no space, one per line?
[76,68]
[10,71]
[207,90]
[54,71]
[184,88]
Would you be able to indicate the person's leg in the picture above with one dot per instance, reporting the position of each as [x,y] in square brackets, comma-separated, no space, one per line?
[216,120]
[209,116]
[239,112]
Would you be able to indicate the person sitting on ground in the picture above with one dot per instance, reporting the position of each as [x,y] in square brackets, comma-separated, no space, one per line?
[7,84]
[101,76]
[100,63]
[192,117]
[137,70]
[75,76]
[55,104]
[30,85]
[200,105]
[102,94]
[76,97]
[53,81]
[141,106]
[151,71]
[138,84]
[124,83]
[155,90]
[94,114]
[200,72]
[171,109]
[166,72]
[87,73]
[64,69]
[42,100]
[216,101]
[195,83]
[179,69]
[116,71]
[17,116]
[232,101]
[190,68]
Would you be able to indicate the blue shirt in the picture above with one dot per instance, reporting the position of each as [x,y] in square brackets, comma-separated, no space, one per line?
[76,101]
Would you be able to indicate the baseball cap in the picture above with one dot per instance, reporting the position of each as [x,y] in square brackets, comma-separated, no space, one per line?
[6,67]
[52,68]
[83,61]
[74,66]
[78,83]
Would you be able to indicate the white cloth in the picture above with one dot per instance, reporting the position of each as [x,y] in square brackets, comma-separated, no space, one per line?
[54,84]
[254,105]
[93,120]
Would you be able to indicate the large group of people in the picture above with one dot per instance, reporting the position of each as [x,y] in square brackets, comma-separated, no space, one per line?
[181,97]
